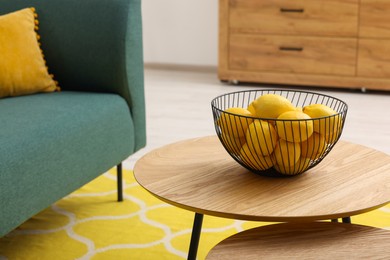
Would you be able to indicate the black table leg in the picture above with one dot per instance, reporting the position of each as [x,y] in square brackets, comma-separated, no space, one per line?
[195,236]
[344,220]
[119,181]
[347,220]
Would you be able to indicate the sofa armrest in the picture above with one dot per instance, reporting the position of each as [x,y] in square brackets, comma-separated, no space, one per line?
[135,72]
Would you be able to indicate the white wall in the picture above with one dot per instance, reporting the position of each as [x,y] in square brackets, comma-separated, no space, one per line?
[183,32]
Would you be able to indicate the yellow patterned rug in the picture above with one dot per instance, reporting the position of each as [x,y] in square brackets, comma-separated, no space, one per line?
[90,224]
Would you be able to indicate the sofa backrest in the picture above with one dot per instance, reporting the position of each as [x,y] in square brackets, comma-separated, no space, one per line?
[81,39]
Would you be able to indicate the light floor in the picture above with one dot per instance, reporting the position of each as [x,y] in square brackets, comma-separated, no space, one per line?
[178,107]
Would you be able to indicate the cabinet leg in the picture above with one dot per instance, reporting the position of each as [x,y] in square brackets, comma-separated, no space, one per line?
[233,82]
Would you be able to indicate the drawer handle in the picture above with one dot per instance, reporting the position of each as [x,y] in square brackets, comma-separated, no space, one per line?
[290,48]
[290,10]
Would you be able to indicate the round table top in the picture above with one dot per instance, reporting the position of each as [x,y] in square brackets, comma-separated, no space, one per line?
[200,176]
[315,240]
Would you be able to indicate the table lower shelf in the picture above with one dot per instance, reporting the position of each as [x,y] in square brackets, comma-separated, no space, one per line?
[314,240]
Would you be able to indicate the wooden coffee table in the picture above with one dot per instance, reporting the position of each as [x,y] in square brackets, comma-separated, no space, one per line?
[200,176]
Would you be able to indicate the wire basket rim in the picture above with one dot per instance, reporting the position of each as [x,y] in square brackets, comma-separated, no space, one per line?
[344,109]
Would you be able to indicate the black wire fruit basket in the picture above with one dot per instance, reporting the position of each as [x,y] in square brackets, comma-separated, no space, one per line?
[278,133]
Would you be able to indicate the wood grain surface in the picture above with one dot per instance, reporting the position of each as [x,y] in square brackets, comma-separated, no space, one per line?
[293,54]
[318,240]
[298,17]
[199,175]
[374,19]
[374,58]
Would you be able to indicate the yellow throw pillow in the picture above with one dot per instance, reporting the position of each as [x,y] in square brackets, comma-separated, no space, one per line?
[22,66]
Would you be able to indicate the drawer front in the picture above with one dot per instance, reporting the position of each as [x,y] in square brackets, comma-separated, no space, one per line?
[303,17]
[374,58]
[374,18]
[293,54]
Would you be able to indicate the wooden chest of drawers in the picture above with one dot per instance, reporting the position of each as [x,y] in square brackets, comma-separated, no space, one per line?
[333,43]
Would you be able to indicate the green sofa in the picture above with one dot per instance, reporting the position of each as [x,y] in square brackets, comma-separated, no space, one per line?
[53,143]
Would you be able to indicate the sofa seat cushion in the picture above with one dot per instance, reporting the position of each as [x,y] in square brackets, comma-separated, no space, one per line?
[72,134]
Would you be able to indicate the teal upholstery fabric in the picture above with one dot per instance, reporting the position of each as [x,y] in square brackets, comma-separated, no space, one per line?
[53,143]
[93,45]
[47,149]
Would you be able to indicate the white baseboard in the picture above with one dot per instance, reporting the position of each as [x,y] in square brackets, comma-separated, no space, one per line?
[181,67]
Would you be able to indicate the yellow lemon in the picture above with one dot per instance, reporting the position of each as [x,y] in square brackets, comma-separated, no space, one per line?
[332,137]
[313,147]
[234,121]
[261,137]
[287,153]
[325,119]
[272,106]
[251,108]
[300,166]
[294,126]
[233,144]
[255,160]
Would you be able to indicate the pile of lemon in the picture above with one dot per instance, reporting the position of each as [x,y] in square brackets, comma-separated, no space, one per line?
[290,143]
